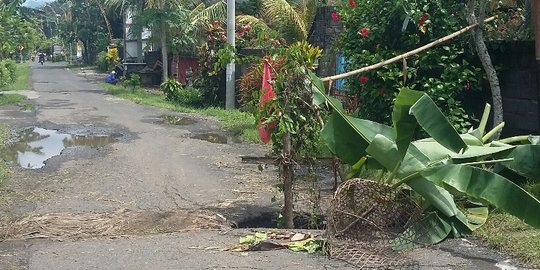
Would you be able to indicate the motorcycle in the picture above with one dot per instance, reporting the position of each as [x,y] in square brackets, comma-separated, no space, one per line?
[41,60]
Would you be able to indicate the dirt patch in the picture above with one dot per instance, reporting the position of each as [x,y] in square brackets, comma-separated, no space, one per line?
[122,223]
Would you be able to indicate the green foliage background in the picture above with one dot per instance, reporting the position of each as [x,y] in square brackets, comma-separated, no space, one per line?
[447,73]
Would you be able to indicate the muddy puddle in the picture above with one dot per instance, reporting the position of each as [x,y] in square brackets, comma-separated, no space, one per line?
[37,145]
[217,138]
[176,120]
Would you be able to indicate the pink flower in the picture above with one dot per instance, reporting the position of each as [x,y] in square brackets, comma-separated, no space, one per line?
[335,16]
[381,92]
[363,79]
[352,3]
[364,32]
[423,19]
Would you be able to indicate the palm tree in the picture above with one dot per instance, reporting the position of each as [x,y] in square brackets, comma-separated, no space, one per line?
[292,19]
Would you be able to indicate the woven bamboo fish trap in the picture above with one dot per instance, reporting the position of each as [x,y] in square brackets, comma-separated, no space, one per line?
[369,223]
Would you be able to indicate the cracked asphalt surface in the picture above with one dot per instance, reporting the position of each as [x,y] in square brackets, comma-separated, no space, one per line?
[153,168]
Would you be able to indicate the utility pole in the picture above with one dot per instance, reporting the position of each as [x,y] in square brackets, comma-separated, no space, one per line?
[230,72]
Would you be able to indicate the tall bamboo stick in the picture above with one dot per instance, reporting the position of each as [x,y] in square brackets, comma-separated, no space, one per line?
[405,55]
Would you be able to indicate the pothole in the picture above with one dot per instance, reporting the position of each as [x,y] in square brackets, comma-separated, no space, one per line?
[37,145]
[177,120]
[275,220]
[217,138]
[72,226]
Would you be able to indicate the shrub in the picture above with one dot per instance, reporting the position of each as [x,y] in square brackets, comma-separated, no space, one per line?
[380,29]
[175,92]
[101,62]
[5,75]
[132,82]
[12,67]
[191,97]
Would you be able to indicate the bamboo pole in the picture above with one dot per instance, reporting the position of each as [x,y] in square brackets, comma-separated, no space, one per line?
[405,55]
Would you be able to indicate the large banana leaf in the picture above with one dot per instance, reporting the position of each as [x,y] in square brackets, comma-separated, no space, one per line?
[385,151]
[430,230]
[348,137]
[436,125]
[487,186]
[526,160]
[404,123]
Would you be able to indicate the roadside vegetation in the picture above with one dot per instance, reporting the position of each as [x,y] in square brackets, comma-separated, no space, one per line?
[512,236]
[234,121]
[13,77]
[20,82]
[3,138]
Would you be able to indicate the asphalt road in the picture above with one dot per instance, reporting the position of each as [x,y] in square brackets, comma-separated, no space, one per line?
[75,212]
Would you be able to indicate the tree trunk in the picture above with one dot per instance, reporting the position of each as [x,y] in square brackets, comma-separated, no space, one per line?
[491,73]
[139,39]
[107,23]
[535,13]
[288,177]
[164,61]
[139,48]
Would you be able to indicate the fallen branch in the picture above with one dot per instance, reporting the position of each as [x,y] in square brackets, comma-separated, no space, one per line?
[405,55]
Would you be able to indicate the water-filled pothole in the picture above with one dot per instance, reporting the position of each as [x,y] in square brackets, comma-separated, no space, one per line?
[217,138]
[37,145]
[177,120]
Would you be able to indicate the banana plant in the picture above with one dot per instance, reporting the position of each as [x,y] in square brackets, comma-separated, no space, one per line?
[453,173]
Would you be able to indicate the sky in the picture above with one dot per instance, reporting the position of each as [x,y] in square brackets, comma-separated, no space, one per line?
[36,3]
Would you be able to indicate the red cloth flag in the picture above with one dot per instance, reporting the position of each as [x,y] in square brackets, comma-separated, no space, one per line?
[268,94]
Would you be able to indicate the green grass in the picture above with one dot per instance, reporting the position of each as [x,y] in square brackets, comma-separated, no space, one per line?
[23,75]
[512,236]
[238,123]
[11,99]
[3,138]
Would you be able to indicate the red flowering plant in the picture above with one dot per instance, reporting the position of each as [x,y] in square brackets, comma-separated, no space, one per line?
[380,29]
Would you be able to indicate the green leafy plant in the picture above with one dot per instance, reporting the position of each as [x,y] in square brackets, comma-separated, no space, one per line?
[171,88]
[101,62]
[5,75]
[290,117]
[452,172]
[175,92]
[132,82]
[11,66]
[381,29]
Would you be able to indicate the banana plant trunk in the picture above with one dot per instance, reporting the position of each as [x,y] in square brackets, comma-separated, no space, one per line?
[164,61]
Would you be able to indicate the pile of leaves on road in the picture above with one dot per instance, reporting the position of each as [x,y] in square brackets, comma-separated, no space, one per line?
[272,240]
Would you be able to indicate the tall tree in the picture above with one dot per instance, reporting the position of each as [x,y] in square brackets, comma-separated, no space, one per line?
[22,32]
[292,19]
